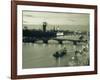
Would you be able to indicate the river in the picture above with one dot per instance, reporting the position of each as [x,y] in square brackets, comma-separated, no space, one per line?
[40,55]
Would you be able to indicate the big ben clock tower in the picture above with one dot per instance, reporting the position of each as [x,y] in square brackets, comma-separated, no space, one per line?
[44,26]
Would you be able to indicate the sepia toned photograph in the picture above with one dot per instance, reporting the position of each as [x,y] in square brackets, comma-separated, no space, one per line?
[55,39]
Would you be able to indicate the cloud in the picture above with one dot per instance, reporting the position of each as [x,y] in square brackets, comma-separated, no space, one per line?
[54,18]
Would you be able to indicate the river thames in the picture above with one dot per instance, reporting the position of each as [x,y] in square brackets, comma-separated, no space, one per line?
[40,55]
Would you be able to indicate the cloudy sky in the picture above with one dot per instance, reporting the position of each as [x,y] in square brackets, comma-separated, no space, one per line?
[55,18]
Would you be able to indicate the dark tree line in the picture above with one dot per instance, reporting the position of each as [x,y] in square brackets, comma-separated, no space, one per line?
[38,33]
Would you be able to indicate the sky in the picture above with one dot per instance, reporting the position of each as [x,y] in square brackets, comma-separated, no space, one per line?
[55,18]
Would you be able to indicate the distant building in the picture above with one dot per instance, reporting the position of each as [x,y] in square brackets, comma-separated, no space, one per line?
[25,28]
[58,28]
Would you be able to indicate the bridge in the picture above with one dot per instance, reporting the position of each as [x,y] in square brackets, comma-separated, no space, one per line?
[60,40]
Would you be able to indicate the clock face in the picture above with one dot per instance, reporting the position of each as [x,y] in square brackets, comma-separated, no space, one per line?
[44,23]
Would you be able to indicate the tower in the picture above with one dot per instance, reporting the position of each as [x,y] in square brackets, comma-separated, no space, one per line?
[44,26]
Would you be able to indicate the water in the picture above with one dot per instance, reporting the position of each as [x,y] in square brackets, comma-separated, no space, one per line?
[40,55]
